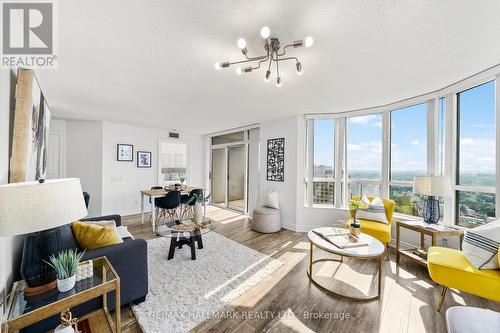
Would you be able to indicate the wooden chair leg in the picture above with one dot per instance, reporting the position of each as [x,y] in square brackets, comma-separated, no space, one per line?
[387,257]
[441,299]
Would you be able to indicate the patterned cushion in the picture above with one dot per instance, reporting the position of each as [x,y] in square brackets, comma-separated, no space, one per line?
[481,245]
[375,211]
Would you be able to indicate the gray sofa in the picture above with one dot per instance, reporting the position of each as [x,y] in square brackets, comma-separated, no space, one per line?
[130,261]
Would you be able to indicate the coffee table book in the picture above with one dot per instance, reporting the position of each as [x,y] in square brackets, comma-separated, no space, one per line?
[342,240]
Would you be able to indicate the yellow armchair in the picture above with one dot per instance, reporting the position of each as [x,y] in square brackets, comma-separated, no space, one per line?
[380,231]
[451,269]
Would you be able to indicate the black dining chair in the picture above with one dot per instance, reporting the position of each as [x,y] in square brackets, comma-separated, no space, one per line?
[168,206]
[189,200]
[157,201]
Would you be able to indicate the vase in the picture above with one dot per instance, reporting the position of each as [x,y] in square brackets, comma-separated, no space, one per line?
[64,329]
[198,213]
[64,285]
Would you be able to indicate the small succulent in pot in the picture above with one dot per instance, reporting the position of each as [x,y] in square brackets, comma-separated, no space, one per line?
[65,264]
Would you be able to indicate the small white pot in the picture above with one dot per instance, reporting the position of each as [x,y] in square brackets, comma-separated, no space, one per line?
[66,284]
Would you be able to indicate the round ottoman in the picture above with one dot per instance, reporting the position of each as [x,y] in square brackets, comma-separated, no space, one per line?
[266,220]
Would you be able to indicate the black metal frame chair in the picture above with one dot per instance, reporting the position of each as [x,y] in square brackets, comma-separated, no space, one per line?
[168,207]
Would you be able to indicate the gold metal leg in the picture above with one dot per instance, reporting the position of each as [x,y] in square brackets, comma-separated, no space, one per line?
[380,276]
[310,259]
[118,319]
[441,299]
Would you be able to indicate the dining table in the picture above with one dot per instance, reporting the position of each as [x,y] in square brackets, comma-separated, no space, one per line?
[153,194]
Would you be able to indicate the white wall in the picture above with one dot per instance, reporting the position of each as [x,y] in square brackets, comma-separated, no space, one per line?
[10,247]
[84,159]
[287,190]
[122,181]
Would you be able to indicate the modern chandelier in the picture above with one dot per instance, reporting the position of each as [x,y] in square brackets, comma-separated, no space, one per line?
[274,55]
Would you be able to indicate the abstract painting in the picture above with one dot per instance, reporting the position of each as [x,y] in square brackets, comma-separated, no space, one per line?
[144,159]
[124,153]
[276,160]
[31,130]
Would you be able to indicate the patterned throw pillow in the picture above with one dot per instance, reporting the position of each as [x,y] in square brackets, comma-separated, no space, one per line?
[481,244]
[375,211]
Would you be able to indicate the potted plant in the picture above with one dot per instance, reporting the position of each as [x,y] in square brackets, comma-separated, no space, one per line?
[354,205]
[65,264]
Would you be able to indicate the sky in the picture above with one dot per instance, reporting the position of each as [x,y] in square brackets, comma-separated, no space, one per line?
[409,136]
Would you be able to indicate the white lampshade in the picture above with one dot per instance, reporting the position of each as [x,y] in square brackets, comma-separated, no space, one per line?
[438,186]
[32,206]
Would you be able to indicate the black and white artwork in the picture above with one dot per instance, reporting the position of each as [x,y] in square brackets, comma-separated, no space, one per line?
[276,160]
[144,159]
[124,152]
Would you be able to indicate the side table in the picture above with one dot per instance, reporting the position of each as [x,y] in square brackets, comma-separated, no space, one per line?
[22,313]
[433,230]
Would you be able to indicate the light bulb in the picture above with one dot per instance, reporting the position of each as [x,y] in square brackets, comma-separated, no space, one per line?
[238,70]
[300,71]
[241,43]
[268,76]
[309,41]
[217,66]
[265,32]
[279,83]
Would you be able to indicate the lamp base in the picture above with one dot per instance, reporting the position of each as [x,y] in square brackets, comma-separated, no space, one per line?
[430,211]
[35,291]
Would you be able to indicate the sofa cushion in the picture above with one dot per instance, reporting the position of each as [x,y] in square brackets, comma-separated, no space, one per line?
[91,236]
[107,223]
[481,245]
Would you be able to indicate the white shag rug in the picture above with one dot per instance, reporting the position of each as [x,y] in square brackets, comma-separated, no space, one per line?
[184,292]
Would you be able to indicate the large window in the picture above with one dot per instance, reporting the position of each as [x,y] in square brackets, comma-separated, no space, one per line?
[324,167]
[408,156]
[380,152]
[475,198]
[364,155]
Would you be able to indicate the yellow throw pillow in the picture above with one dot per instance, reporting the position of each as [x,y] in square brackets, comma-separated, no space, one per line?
[91,236]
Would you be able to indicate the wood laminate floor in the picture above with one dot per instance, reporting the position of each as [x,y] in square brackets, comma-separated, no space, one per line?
[286,301]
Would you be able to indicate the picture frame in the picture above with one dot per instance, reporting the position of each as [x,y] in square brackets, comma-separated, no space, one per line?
[124,152]
[276,160]
[143,159]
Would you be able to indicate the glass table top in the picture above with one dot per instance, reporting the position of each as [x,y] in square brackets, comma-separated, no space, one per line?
[185,228]
[22,305]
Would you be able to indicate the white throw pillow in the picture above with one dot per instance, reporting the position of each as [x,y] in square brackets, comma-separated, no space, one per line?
[480,245]
[271,200]
[375,211]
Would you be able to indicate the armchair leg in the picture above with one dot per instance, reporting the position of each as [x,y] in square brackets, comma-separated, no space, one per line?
[387,257]
[441,299]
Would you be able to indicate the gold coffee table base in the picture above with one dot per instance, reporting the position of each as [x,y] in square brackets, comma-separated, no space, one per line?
[351,298]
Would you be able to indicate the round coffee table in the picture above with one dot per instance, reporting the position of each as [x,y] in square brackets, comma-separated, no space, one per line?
[374,250]
[180,236]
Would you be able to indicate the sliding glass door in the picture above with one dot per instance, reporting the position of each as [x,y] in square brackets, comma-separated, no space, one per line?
[229,171]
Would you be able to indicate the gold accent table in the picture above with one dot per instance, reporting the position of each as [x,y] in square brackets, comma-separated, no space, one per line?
[21,313]
[434,230]
[374,250]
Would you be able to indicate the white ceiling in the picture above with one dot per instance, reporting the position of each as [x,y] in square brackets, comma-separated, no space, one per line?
[150,63]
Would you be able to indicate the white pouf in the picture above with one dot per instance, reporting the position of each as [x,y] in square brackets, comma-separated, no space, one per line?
[466,319]
[266,220]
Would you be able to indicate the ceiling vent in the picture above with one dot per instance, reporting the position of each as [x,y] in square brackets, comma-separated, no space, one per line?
[173,135]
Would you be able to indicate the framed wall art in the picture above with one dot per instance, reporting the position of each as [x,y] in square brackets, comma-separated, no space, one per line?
[276,160]
[144,159]
[124,152]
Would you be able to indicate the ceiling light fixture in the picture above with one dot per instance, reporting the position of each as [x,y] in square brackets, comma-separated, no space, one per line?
[274,54]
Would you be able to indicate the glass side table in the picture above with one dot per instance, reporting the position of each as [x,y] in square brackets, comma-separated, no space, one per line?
[22,313]
[185,233]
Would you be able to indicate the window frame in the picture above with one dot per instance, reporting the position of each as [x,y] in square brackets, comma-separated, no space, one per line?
[449,167]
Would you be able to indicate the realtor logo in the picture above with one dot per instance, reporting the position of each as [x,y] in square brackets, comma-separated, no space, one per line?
[28,34]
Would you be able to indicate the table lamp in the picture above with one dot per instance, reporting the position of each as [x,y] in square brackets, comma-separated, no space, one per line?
[431,186]
[37,209]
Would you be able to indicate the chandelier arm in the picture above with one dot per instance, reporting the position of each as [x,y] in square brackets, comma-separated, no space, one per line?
[289,58]
[245,61]
[284,50]
[277,66]
[260,62]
